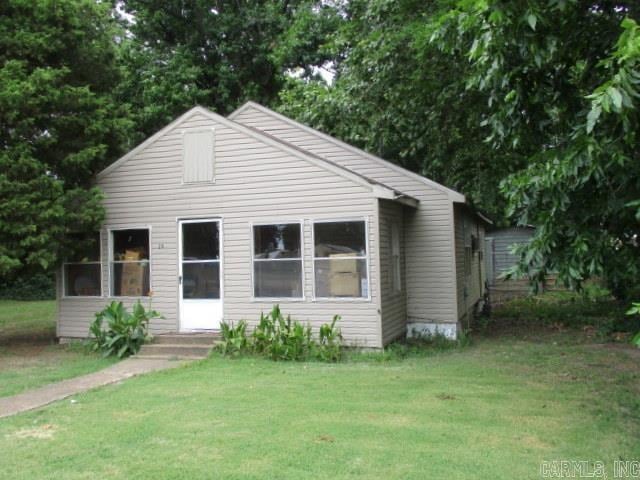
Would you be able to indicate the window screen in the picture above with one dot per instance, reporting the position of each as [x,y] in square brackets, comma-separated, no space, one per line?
[82,272]
[201,260]
[340,259]
[277,261]
[130,270]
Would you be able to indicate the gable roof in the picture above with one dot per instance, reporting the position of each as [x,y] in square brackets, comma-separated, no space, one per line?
[397,193]
[451,194]
[379,190]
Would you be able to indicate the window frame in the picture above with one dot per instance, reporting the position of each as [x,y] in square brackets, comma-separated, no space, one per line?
[99,262]
[300,223]
[367,259]
[468,256]
[110,260]
[396,283]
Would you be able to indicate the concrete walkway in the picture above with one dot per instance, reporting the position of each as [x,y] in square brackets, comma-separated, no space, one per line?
[57,391]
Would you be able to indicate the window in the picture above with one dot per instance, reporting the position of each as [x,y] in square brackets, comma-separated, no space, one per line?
[468,256]
[395,258]
[340,260]
[129,263]
[82,273]
[277,261]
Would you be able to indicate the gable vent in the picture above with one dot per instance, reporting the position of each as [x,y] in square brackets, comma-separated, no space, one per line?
[198,156]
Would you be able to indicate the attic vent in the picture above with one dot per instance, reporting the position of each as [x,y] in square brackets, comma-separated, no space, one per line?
[198,158]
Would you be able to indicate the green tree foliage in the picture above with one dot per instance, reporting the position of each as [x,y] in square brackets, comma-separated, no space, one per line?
[397,95]
[540,95]
[562,81]
[58,125]
[216,53]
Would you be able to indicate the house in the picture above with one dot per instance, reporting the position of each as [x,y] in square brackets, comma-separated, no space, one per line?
[221,218]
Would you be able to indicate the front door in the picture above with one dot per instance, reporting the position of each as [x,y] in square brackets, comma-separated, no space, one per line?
[199,275]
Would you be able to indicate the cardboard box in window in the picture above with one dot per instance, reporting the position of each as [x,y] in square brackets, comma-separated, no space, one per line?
[344,284]
[344,279]
[132,254]
[132,283]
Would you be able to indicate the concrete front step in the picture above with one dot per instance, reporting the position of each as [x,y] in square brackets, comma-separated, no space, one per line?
[169,350]
[186,338]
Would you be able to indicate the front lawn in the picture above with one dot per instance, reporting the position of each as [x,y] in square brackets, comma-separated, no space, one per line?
[29,354]
[493,410]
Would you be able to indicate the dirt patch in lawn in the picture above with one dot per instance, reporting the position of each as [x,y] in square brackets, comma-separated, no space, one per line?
[21,356]
[37,338]
[41,432]
[629,350]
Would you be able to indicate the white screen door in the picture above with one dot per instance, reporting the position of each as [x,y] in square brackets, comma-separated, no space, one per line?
[200,276]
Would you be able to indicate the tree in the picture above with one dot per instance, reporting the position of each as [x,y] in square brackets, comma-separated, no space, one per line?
[215,53]
[59,125]
[397,95]
[561,78]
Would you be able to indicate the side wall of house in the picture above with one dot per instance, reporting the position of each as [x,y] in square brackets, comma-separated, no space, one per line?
[254,182]
[470,267]
[430,263]
[393,301]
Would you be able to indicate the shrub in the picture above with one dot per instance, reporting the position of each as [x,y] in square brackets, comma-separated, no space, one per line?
[635,310]
[125,332]
[234,339]
[37,286]
[281,338]
[329,348]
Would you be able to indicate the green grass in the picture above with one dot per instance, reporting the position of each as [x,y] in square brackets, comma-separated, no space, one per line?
[29,355]
[493,410]
[601,313]
[27,320]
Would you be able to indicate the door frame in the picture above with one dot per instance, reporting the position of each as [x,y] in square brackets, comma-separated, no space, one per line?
[204,219]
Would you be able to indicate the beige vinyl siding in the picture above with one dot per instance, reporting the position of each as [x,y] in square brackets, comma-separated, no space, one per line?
[430,275]
[254,182]
[470,286]
[393,303]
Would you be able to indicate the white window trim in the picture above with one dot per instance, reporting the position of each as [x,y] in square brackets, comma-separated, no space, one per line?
[99,262]
[367,259]
[110,259]
[255,299]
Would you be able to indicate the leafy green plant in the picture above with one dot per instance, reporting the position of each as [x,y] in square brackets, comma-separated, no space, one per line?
[234,338]
[125,332]
[329,347]
[635,310]
[281,338]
